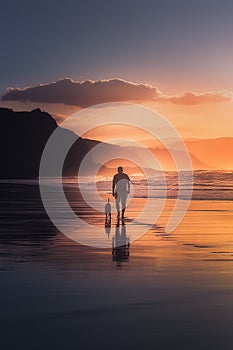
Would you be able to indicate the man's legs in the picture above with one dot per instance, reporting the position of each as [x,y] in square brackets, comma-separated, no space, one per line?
[123,203]
[118,206]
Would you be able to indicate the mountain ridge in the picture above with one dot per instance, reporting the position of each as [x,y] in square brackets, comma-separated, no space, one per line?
[23,136]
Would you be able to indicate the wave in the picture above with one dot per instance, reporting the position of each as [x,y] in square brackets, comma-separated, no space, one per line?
[207,185]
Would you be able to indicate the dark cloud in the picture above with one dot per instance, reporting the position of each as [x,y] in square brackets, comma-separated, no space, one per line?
[88,93]
[84,93]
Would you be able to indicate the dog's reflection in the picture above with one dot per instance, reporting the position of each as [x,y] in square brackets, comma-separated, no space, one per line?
[108,218]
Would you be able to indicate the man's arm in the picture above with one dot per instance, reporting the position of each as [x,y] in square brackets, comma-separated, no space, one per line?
[113,186]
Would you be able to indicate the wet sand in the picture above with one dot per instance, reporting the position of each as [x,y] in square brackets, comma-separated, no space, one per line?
[174,291]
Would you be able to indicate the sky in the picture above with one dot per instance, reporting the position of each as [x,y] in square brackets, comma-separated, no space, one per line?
[176,46]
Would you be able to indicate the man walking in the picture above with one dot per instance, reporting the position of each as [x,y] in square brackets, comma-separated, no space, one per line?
[120,189]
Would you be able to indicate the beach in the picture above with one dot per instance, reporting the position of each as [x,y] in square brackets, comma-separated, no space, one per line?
[174,290]
[116,175]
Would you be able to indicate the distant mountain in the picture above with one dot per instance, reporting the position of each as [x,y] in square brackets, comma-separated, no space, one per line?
[167,162]
[156,159]
[218,153]
[155,143]
[23,136]
[212,153]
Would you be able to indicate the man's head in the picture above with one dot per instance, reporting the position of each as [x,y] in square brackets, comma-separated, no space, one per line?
[120,169]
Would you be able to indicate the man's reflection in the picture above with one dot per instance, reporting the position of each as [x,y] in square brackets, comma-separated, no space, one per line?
[120,244]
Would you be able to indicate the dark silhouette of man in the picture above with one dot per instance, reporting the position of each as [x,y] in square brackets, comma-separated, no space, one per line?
[120,189]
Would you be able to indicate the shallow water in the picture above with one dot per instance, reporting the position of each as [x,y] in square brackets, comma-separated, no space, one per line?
[172,291]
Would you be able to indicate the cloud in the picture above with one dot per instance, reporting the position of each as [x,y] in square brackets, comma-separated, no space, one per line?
[192,98]
[88,93]
[84,93]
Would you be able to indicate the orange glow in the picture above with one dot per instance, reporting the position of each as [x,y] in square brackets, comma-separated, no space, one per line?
[198,121]
[110,168]
[103,133]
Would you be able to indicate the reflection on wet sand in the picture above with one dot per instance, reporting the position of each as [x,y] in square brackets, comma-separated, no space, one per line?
[120,243]
[175,291]
[26,234]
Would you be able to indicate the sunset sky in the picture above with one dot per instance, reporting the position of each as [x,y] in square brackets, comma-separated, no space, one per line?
[182,49]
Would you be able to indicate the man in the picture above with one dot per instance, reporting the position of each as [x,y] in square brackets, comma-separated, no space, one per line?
[120,189]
